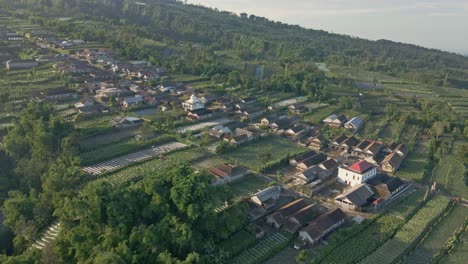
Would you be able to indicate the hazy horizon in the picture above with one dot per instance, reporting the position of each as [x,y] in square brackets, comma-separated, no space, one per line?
[432,24]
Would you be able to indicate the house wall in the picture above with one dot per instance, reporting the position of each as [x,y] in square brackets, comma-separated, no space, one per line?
[353,178]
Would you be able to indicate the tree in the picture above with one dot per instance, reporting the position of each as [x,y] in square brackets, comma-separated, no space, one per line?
[438,129]
[302,256]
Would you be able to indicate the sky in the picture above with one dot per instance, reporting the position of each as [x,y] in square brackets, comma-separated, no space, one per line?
[441,24]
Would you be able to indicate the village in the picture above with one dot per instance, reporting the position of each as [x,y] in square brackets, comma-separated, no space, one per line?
[302,180]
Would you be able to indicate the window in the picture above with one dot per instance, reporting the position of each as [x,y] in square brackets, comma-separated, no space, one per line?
[354,177]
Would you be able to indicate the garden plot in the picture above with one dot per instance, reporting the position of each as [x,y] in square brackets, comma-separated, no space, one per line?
[413,164]
[87,144]
[153,166]
[449,175]
[409,233]
[126,160]
[287,102]
[263,249]
[202,125]
[437,237]
[458,254]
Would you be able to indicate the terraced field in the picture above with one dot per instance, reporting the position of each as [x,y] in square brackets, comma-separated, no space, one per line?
[409,233]
[436,238]
[155,165]
[248,155]
[126,160]
[262,250]
[412,167]
[449,175]
[458,254]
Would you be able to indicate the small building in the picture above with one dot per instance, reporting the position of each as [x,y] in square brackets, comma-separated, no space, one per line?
[355,123]
[400,149]
[356,197]
[297,108]
[267,198]
[226,173]
[252,112]
[329,165]
[311,174]
[367,149]
[299,158]
[296,131]
[281,125]
[84,103]
[392,162]
[335,143]
[357,173]
[280,217]
[386,186]
[200,114]
[335,121]
[348,144]
[193,104]
[314,160]
[322,226]
[301,218]
[21,64]
[317,143]
[128,122]
[132,101]
[56,94]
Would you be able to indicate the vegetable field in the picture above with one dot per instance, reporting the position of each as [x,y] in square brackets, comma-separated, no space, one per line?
[248,155]
[449,175]
[412,167]
[126,160]
[436,238]
[409,233]
[263,249]
[155,165]
[458,254]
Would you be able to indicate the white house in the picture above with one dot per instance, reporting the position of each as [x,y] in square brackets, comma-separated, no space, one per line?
[357,173]
[193,104]
[267,197]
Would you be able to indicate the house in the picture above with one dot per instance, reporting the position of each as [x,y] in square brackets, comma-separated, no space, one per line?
[55,94]
[200,114]
[132,101]
[386,186]
[128,122]
[244,131]
[329,165]
[267,198]
[357,173]
[335,121]
[348,144]
[367,149]
[314,160]
[268,120]
[301,218]
[84,103]
[21,64]
[299,158]
[355,123]
[280,217]
[281,125]
[219,131]
[400,149]
[165,89]
[226,173]
[392,162]
[322,226]
[193,104]
[252,112]
[317,143]
[311,174]
[296,131]
[356,197]
[297,108]
[335,144]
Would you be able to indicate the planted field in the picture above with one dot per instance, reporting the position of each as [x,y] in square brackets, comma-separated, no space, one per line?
[437,237]
[409,233]
[123,147]
[238,242]
[262,250]
[319,114]
[87,144]
[249,155]
[126,160]
[458,254]
[412,167]
[209,162]
[202,125]
[155,165]
[404,209]
[364,242]
[449,175]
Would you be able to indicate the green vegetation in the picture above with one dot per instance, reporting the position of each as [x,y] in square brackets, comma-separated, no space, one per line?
[413,165]
[250,155]
[438,235]
[238,242]
[264,249]
[410,232]
[449,175]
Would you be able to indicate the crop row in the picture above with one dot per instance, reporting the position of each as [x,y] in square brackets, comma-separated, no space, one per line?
[262,250]
[155,165]
[436,238]
[409,233]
